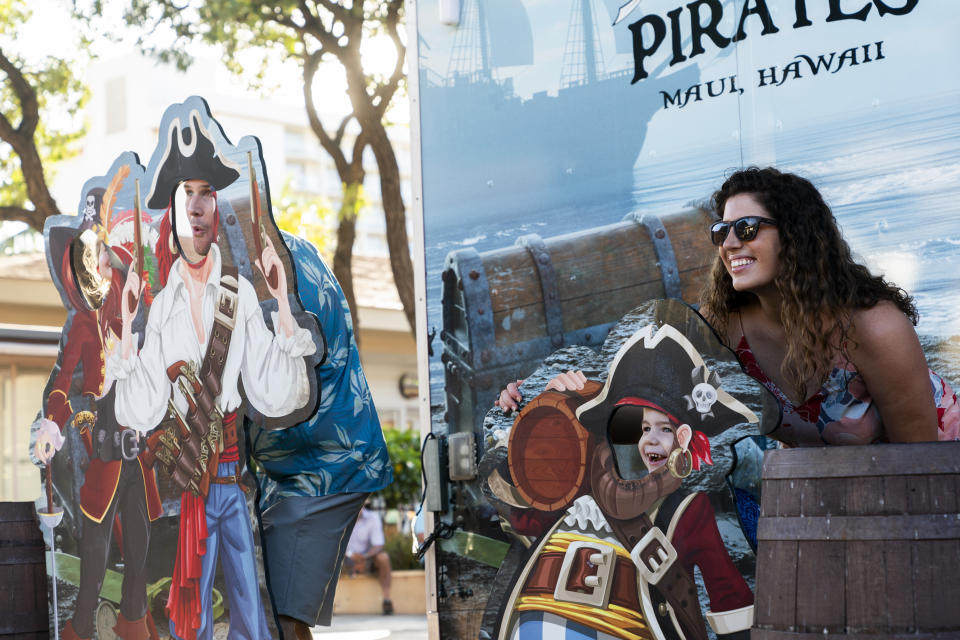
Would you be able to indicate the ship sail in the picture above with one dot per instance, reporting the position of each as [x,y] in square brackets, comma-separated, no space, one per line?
[494,33]
[622,37]
[570,143]
[511,38]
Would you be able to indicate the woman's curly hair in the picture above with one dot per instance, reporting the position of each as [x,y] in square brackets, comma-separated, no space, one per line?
[819,282]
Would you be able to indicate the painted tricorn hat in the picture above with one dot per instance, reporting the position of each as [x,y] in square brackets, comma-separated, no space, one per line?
[190,155]
[660,368]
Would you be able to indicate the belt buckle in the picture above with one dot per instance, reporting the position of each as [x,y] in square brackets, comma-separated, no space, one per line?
[653,555]
[601,582]
[225,310]
[128,442]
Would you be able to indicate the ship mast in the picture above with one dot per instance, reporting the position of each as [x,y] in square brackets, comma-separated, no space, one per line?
[470,58]
[582,55]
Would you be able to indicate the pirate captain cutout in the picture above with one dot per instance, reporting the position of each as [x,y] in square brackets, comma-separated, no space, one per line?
[610,487]
[178,288]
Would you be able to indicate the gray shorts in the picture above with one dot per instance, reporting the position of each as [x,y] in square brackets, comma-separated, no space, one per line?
[305,538]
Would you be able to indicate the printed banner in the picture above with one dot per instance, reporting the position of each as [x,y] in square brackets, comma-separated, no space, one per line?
[568,155]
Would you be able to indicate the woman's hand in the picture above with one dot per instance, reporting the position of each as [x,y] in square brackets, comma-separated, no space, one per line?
[510,398]
[569,381]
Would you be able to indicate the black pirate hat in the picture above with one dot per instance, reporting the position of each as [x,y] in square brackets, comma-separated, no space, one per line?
[191,155]
[661,369]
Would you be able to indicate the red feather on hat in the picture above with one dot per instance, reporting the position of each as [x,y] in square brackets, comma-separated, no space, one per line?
[700,449]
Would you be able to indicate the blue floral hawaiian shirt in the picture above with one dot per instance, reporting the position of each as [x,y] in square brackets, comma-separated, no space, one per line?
[340,449]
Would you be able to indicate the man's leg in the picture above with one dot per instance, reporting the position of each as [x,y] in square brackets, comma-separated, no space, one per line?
[305,539]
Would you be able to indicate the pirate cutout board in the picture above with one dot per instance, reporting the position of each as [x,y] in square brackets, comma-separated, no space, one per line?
[183,322]
[614,493]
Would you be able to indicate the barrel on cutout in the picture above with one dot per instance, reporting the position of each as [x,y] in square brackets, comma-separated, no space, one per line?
[548,449]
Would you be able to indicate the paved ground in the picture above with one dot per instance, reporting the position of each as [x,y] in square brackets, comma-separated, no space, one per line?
[357,627]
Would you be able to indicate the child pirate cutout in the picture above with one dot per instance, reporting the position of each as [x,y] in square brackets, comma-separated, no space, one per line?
[186,327]
[619,560]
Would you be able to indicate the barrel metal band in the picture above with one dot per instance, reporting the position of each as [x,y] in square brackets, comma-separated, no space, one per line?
[666,258]
[477,303]
[549,287]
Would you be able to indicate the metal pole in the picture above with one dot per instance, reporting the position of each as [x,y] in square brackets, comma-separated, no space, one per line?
[53,564]
[50,519]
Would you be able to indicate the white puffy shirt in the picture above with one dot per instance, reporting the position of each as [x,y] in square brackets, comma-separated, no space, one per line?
[272,367]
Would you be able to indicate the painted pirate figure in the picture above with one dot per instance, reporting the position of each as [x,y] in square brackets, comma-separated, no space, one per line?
[619,562]
[204,334]
[119,491]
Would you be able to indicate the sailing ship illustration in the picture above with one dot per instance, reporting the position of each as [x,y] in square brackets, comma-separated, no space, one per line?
[490,148]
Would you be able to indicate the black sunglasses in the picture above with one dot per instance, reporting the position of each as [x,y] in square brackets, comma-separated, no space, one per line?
[746,228]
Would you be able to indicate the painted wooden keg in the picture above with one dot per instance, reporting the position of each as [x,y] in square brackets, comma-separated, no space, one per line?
[23,574]
[548,449]
[860,542]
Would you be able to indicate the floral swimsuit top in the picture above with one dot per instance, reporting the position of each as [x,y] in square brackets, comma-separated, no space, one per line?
[842,410]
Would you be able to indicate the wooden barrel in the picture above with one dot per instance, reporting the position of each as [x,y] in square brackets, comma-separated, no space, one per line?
[860,542]
[506,309]
[548,447]
[23,573]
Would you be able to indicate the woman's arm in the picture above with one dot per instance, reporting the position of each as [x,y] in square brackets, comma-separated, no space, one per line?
[885,350]
[510,398]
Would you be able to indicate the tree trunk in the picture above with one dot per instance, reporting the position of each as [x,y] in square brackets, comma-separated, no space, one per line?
[343,256]
[395,213]
[23,144]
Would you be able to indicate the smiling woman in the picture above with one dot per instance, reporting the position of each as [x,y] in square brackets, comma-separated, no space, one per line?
[805,318]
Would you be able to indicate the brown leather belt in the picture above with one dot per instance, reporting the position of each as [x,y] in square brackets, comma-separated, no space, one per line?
[223,480]
[676,586]
[545,575]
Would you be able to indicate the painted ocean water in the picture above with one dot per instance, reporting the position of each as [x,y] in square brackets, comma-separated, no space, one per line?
[891,173]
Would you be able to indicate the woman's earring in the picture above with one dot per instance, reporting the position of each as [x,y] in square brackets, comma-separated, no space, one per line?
[680,463]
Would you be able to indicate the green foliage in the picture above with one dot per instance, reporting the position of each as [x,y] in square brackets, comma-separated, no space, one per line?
[275,30]
[255,37]
[403,445]
[354,199]
[303,216]
[399,547]
[60,96]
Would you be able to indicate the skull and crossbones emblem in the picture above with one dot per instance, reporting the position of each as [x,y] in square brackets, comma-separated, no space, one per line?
[90,209]
[705,391]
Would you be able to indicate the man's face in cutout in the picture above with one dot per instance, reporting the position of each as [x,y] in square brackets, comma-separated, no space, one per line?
[201,205]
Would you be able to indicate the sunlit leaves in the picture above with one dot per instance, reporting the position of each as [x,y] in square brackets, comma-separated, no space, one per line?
[304,217]
[41,98]
[254,36]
